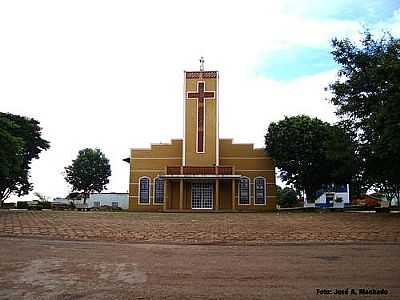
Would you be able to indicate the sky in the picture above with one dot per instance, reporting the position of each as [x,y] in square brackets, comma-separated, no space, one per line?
[109,74]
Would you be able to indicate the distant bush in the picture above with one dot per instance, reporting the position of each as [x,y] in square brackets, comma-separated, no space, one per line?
[9,205]
[106,208]
[287,197]
[22,205]
[46,204]
[62,206]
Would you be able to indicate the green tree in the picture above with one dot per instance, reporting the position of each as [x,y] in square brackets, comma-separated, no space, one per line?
[89,172]
[310,153]
[287,197]
[278,192]
[367,97]
[21,142]
[10,151]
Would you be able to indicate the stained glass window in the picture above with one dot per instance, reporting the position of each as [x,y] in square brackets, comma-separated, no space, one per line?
[244,191]
[144,190]
[259,190]
[158,191]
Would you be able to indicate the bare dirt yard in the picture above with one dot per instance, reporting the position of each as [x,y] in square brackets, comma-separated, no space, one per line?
[74,255]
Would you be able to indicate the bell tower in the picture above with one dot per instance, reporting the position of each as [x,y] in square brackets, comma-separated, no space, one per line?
[201,139]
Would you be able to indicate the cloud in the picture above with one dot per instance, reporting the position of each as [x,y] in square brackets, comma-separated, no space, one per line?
[296,62]
[391,24]
[365,11]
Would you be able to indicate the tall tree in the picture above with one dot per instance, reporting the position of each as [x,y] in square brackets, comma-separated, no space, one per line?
[309,153]
[367,97]
[10,150]
[89,172]
[21,142]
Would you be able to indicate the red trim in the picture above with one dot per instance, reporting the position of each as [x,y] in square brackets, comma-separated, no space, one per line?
[205,74]
[199,170]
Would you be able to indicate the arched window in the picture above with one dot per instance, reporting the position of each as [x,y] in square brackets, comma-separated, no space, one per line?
[144,190]
[158,191]
[244,191]
[259,191]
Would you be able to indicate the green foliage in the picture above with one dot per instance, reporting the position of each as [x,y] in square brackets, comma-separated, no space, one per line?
[367,97]
[10,150]
[43,201]
[287,197]
[89,172]
[310,152]
[22,205]
[21,142]
[278,191]
[74,196]
[9,205]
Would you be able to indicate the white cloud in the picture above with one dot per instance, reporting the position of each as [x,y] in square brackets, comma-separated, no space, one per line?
[392,24]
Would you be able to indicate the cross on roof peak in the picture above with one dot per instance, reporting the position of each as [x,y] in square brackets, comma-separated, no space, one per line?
[202,64]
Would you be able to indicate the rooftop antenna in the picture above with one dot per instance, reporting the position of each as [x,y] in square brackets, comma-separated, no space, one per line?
[201,64]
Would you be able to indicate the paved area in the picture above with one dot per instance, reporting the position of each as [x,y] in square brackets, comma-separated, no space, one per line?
[53,269]
[202,228]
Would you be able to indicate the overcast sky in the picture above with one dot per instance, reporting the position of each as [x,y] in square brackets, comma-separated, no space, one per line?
[109,74]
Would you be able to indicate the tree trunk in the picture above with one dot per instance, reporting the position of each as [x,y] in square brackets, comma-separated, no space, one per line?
[4,194]
[309,195]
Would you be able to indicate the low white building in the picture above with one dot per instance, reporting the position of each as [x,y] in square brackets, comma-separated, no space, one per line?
[97,200]
[114,200]
[331,196]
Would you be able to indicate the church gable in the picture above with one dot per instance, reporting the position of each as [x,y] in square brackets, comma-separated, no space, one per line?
[228,149]
[248,161]
[173,149]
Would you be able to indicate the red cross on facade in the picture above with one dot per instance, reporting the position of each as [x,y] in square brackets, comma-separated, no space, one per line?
[200,95]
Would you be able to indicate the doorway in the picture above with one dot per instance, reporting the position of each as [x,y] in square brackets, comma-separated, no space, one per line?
[202,195]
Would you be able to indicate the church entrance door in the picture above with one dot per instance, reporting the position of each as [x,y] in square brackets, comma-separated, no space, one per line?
[202,195]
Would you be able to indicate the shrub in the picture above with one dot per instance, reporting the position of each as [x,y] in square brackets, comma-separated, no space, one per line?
[22,205]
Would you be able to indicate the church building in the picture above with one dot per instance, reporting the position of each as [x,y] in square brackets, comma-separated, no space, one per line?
[201,172]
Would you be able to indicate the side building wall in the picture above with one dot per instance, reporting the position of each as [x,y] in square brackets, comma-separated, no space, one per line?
[151,163]
[251,163]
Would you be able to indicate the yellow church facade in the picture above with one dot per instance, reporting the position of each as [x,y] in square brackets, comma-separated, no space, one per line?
[201,172]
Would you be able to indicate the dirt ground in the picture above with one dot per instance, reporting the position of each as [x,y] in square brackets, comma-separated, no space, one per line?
[40,269]
[71,255]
